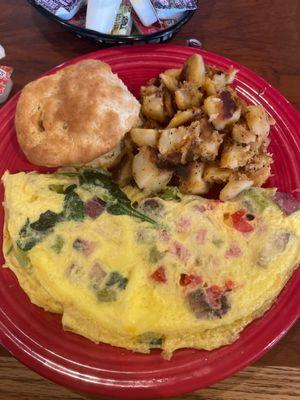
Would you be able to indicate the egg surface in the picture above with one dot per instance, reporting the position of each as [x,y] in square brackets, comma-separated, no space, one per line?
[143,272]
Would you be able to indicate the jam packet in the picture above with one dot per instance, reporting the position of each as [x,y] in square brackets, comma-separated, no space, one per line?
[5,82]
[64,9]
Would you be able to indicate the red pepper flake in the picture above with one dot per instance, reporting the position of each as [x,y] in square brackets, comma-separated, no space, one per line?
[240,223]
[159,275]
[186,279]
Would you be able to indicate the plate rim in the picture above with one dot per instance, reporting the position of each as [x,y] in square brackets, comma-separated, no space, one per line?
[22,355]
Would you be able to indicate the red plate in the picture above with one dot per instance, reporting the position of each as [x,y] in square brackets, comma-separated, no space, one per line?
[36,337]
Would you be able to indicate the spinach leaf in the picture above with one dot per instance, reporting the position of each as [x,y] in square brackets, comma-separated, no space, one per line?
[46,221]
[73,205]
[56,188]
[28,237]
[120,205]
[106,295]
[58,244]
[117,279]
[151,339]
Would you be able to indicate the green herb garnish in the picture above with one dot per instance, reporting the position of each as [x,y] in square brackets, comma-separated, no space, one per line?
[170,193]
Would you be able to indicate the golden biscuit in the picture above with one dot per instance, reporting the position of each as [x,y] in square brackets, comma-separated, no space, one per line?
[75,115]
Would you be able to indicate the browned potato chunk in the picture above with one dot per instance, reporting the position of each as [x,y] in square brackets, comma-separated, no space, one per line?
[234,188]
[122,173]
[208,144]
[182,117]
[260,176]
[173,72]
[258,162]
[191,178]
[168,103]
[170,82]
[258,121]
[187,96]
[193,70]
[147,174]
[222,110]
[215,174]
[153,107]
[242,135]
[172,140]
[235,156]
[144,137]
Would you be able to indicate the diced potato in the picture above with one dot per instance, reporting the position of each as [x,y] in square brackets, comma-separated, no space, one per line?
[193,70]
[168,103]
[258,162]
[172,140]
[182,117]
[187,96]
[260,176]
[234,188]
[146,173]
[122,173]
[215,174]
[222,110]
[144,137]
[191,179]
[235,156]
[110,159]
[153,107]
[258,121]
[169,81]
[173,72]
[207,145]
[242,135]
[209,87]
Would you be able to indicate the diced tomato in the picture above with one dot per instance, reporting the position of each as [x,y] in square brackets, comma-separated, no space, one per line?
[229,284]
[186,279]
[159,275]
[239,221]
[214,294]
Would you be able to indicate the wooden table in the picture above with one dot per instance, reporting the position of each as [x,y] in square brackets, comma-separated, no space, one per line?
[262,35]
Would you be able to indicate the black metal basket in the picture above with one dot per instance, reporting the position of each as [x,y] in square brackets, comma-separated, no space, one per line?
[102,38]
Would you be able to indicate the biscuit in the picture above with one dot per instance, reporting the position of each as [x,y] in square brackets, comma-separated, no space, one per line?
[75,115]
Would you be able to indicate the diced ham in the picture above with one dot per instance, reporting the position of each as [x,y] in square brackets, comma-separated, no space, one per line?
[201,235]
[183,225]
[180,251]
[94,207]
[233,251]
[287,203]
[84,246]
[164,235]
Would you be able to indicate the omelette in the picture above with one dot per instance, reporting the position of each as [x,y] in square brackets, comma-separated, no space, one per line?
[142,272]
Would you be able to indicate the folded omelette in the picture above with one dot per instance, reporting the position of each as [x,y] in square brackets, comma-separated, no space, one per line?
[148,272]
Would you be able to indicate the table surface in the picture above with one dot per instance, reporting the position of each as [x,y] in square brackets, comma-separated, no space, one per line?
[262,35]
